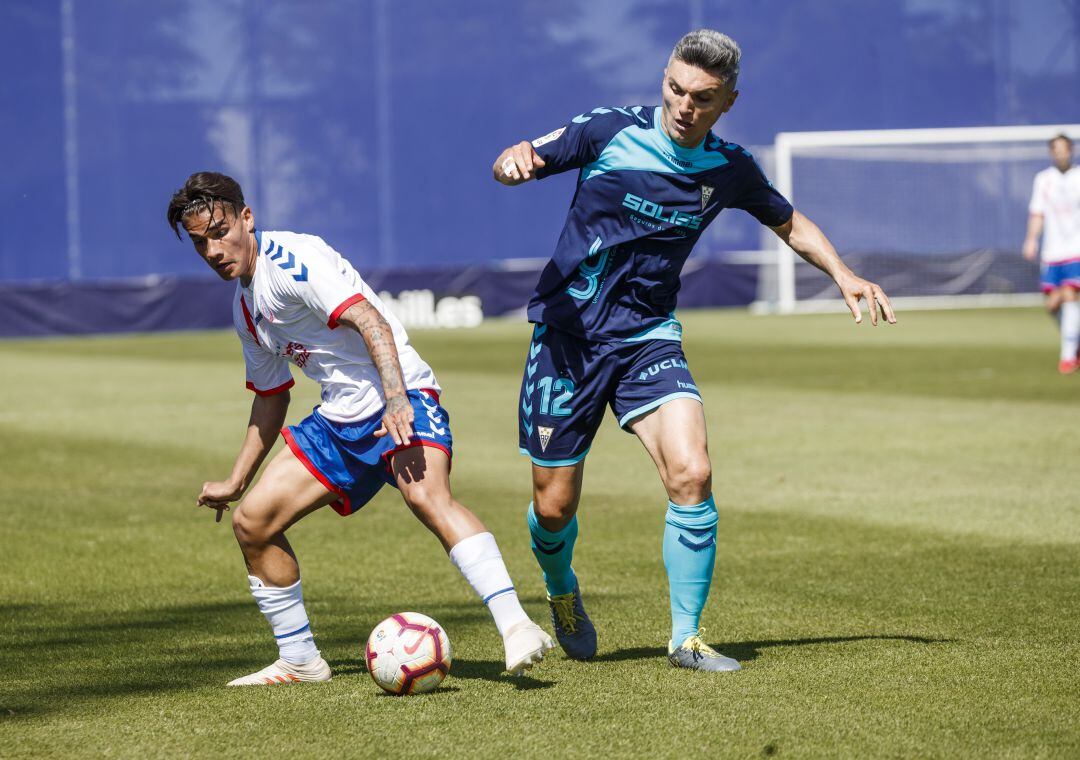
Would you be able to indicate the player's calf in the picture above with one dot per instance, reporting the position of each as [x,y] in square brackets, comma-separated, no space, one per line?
[556,494]
[285,493]
[689,558]
[433,505]
[479,560]
[1070,332]
[299,658]
[554,552]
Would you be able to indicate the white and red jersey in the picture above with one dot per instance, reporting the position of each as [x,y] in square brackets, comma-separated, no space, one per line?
[1056,196]
[289,313]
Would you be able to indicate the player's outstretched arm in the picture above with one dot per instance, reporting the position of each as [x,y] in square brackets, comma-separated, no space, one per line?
[267,417]
[806,239]
[379,338]
[517,164]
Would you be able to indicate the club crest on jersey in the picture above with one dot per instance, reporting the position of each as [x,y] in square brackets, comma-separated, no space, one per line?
[545,436]
[706,193]
[263,309]
[549,137]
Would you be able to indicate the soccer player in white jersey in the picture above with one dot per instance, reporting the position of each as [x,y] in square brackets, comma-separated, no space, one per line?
[297,300]
[1054,215]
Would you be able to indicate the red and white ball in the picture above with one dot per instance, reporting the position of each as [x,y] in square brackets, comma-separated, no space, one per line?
[408,653]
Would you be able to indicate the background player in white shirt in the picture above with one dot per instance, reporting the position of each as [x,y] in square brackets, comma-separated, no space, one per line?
[380,422]
[1054,215]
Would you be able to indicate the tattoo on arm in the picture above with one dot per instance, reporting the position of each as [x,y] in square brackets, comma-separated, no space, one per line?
[379,339]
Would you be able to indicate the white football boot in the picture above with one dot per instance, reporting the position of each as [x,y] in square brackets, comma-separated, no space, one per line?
[525,644]
[286,672]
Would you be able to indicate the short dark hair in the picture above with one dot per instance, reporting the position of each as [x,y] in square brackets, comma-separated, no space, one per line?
[712,51]
[1060,136]
[201,191]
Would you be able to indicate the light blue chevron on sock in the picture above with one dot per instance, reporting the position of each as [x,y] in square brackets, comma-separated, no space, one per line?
[554,552]
[689,556]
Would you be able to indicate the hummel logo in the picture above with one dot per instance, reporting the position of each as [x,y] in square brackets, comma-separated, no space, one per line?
[287,261]
[706,193]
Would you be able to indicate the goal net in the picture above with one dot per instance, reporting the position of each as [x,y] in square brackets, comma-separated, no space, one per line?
[935,216]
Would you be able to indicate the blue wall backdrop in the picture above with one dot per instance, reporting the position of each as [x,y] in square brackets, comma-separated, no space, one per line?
[375,123]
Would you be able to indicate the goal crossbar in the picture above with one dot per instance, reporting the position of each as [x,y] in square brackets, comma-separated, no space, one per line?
[787,143]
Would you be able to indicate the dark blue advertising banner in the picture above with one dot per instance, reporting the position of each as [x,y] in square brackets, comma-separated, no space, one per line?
[375,124]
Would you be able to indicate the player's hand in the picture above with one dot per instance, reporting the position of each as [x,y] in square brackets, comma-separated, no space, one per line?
[217,495]
[1031,249]
[397,420]
[517,164]
[855,288]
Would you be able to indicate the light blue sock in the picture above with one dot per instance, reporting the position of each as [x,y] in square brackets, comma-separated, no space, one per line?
[689,556]
[554,551]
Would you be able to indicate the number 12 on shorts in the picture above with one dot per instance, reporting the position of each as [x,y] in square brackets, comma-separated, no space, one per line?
[563,390]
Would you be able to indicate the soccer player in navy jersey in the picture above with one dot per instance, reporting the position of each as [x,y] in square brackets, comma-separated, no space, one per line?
[650,180]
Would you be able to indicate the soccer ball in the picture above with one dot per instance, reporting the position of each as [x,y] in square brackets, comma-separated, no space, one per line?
[408,653]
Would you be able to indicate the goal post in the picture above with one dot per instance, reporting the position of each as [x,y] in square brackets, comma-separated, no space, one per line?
[936,216]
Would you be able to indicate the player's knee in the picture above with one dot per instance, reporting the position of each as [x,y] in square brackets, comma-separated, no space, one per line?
[248,528]
[554,504]
[690,480]
[426,499]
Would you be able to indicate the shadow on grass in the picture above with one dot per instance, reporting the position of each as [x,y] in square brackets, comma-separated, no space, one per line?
[38,623]
[56,658]
[12,608]
[443,690]
[483,670]
[61,657]
[490,670]
[745,651]
[16,711]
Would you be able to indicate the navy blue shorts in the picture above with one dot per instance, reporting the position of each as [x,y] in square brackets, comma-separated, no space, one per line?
[569,380]
[349,460]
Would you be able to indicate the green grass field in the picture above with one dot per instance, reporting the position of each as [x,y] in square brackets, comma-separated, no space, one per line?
[898,567]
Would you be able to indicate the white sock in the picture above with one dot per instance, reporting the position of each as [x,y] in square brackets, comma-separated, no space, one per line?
[479,560]
[1070,329]
[284,610]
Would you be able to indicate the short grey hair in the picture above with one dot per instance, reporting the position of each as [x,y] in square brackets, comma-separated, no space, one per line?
[712,51]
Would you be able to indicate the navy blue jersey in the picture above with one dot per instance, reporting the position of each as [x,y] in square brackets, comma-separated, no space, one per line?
[641,203]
